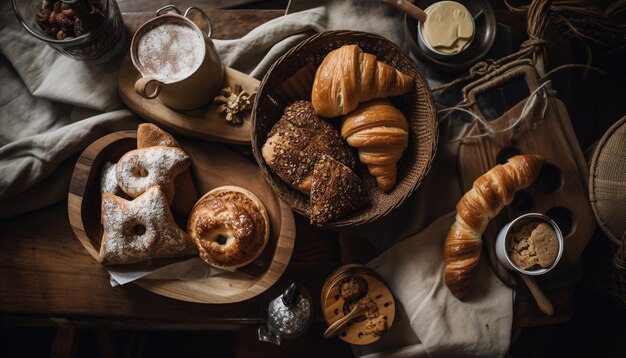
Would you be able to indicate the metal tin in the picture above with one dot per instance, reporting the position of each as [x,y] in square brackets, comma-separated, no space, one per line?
[502,238]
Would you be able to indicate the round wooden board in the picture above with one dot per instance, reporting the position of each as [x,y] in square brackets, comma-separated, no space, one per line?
[333,305]
[203,123]
[213,165]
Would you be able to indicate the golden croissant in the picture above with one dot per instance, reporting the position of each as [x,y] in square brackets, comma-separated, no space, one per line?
[380,132]
[489,194]
[348,76]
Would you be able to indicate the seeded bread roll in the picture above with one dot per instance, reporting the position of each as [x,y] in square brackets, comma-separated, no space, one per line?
[298,141]
[336,192]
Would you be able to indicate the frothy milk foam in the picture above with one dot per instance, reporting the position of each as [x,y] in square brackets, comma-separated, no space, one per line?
[170,52]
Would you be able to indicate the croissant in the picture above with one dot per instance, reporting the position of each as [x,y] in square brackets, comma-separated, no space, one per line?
[380,132]
[348,76]
[489,194]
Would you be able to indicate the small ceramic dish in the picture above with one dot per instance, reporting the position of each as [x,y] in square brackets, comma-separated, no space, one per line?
[334,307]
[503,238]
[484,36]
[426,46]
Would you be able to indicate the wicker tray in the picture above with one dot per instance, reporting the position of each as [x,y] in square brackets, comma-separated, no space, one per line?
[607,182]
[290,78]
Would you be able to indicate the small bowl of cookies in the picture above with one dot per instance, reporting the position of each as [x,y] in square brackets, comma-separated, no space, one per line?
[532,244]
[357,305]
[344,128]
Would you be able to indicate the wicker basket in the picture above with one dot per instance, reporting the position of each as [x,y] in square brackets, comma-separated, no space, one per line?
[607,182]
[290,78]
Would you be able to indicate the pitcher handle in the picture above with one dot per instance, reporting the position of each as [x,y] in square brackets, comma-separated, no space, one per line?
[142,84]
[204,14]
[168,8]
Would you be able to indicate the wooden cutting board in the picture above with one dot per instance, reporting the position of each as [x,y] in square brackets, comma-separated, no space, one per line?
[203,123]
[560,191]
[212,165]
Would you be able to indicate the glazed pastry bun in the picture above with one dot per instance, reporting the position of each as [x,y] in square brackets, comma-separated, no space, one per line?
[230,227]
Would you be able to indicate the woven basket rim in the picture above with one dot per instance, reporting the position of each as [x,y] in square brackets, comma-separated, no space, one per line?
[593,167]
[432,148]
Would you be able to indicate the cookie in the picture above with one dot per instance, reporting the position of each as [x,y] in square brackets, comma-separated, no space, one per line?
[545,244]
[533,244]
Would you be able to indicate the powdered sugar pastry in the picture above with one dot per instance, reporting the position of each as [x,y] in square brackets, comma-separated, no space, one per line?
[141,229]
[140,169]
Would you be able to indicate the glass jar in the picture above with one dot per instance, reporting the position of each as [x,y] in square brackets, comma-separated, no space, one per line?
[102,41]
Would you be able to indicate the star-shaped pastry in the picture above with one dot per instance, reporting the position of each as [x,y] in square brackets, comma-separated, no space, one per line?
[140,169]
[141,229]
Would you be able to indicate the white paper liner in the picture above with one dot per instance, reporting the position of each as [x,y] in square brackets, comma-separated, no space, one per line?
[190,269]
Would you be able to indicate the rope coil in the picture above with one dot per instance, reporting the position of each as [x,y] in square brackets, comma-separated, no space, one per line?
[533,50]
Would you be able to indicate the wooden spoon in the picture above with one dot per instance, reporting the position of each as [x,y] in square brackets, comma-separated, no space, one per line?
[338,324]
[542,301]
[408,8]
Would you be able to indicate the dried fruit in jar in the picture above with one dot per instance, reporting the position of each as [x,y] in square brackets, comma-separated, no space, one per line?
[64,21]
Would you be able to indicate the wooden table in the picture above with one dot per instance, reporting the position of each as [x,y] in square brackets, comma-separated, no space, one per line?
[48,277]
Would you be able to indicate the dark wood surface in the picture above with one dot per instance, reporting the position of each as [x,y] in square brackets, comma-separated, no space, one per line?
[46,273]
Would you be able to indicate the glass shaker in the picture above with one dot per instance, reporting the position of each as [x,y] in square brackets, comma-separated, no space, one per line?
[289,315]
[86,30]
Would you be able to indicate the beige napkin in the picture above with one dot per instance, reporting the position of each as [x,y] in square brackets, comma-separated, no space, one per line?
[52,107]
[430,321]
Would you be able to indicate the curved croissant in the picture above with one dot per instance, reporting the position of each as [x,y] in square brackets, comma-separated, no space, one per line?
[380,132]
[489,194]
[348,76]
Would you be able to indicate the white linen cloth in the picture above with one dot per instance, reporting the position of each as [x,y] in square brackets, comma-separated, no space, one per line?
[52,107]
[431,322]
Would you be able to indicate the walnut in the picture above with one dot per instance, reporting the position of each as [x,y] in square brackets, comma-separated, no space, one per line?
[67,11]
[79,29]
[62,21]
[233,102]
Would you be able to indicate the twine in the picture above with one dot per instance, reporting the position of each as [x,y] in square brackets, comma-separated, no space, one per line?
[604,31]
[619,260]
[540,12]
[489,129]
[529,48]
